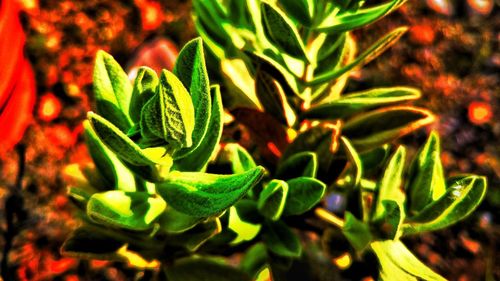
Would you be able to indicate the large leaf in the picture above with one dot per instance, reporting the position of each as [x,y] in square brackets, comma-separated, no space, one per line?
[198,269]
[299,10]
[145,85]
[300,164]
[169,115]
[460,199]
[398,263]
[426,182]
[199,157]
[281,31]
[351,104]
[191,69]
[373,51]
[352,20]
[272,199]
[357,232]
[130,210]
[112,90]
[124,147]
[281,240]
[303,194]
[203,195]
[375,128]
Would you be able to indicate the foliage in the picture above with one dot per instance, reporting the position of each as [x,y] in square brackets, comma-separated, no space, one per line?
[149,200]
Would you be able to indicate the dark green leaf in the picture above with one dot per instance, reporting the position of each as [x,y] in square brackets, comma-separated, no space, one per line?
[349,21]
[398,263]
[200,194]
[351,104]
[354,159]
[85,242]
[254,260]
[112,91]
[172,221]
[191,69]
[130,210]
[303,194]
[195,237]
[199,157]
[203,269]
[300,164]
[281,240]
[375,128]
[145,85]
[299,10]
[272,199]
[331,44]
[241,223]
[357,232]
[389,224]
[460,199]
[375,158]
[426,182]
[241,160]
[281,31]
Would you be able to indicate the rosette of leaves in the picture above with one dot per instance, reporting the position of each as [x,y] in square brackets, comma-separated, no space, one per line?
[286,63]
[390,207]
[146,199]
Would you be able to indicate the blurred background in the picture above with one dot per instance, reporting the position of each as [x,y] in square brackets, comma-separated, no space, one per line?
[47,48]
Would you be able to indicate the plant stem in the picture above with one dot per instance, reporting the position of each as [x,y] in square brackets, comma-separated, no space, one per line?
[329,217]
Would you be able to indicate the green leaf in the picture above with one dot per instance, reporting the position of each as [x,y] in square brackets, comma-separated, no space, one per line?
[426,182]
[87,243]
[281,240]
[172,221]
[272,199]
[281,31]
[200,194]
[300,164]
[357,232]
[372,52]
[112,90]
[191,69]
[375,158]
[145,85]
[124,147]
[460,199]
[198,158]
[254,260]
[398,263]
[169,115]
[354,159]
[333,42]
[375,128]
[80,196]
[272,97]
[195,237]
[389,187]
[298,10]
[349,21]
[240,223]
[389,225]
[241,160]
[303,194]
[351,104]
[198,269]
[130,210]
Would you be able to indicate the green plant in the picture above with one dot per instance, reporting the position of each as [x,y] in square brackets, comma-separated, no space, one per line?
[148,200]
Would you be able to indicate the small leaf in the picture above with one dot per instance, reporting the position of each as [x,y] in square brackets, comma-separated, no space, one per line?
[145,85]
[303,194]
[351,104]
[372,52]
[389,187]
[460,199]
[299,10]
[169,114]
[375,128]
[281,31]
[357,232]
[426,182]
[200,194]
[191,69]
[300,164]
[123,146]
[375,158]
[272,199]
[199,157]
[112,90]
[390,222]
[354,159]
[254,260]
[197,269]
[349,21]
[130,210]
[195,237]
[272,98]
[281,240]
[241,160]
[172,221]
[398,263]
